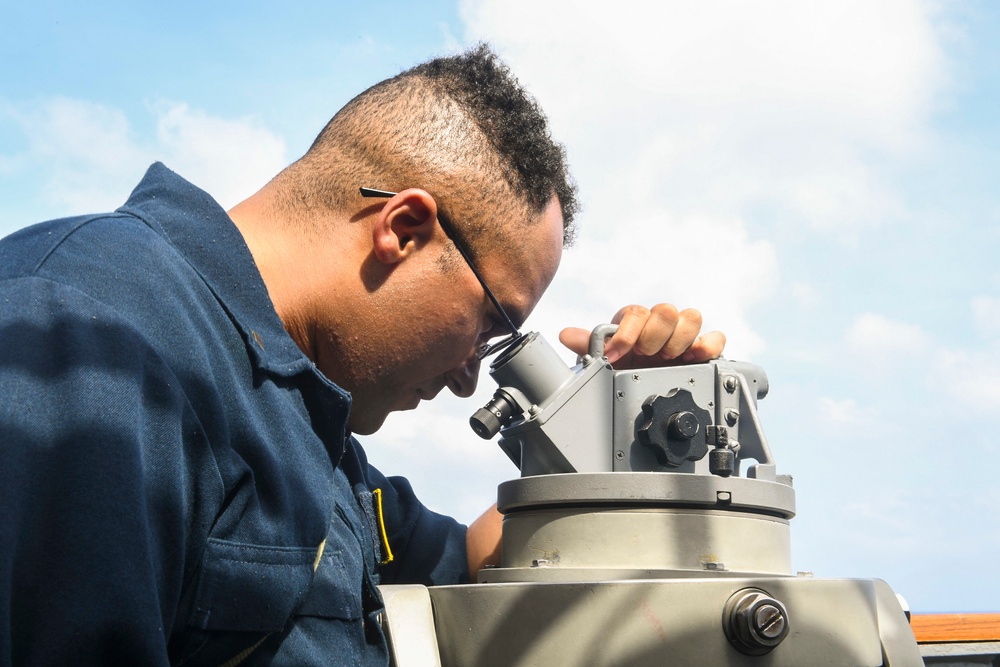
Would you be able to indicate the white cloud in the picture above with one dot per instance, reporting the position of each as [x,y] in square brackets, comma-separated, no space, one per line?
[804,293]
[986,315]
[876,336]
[970,376]
[894,349]
[843,412]
[719,104]
[697,260]
[230,158]
[685,120]
[94,157]
[85,148]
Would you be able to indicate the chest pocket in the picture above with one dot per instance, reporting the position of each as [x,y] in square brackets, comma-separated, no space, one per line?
[337,616]
[280,606]
[245,593]
[251,588]
[336,590]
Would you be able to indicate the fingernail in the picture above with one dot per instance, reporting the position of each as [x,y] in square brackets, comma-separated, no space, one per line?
[612,355]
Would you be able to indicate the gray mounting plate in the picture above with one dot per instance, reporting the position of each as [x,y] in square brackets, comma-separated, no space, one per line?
[647,489]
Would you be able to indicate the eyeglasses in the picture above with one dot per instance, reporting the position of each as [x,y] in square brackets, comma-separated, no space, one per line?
[487,348]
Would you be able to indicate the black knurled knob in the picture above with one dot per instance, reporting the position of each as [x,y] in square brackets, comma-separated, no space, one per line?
[670,426]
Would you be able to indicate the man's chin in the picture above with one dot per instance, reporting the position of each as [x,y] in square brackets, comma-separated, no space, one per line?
[402,404]
[369,423]
[365,424]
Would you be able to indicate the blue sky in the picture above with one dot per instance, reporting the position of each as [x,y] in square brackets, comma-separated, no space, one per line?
[818,178]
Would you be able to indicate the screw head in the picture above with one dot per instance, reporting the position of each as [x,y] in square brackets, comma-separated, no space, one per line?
[754,622]
[769,621]
[683,425]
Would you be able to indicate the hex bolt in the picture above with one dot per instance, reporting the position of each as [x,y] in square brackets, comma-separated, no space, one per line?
[754,622]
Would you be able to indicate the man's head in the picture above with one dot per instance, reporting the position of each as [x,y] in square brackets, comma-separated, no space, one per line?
[393,313]
[461,128]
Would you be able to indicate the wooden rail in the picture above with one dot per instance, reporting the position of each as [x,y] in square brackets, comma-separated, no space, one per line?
[947,628]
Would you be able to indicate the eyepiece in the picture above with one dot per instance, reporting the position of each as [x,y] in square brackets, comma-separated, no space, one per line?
[489,419]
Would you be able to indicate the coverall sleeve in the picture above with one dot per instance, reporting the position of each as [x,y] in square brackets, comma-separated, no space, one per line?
[427,548]
[98,443]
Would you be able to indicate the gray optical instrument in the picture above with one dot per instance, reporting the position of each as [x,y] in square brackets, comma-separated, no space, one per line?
[649,526]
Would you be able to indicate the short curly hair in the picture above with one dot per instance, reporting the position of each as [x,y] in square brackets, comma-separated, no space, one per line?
[461,127]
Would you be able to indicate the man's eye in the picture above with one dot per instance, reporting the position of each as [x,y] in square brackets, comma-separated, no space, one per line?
[493,328]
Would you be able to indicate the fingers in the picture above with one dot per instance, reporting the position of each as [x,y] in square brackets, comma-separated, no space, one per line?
[577,340]
[649,337]
[706,348]
[660,332]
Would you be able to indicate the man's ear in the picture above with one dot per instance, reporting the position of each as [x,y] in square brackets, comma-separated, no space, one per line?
[406,223]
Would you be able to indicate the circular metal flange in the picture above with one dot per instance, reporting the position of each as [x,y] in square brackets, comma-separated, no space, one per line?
[646,489]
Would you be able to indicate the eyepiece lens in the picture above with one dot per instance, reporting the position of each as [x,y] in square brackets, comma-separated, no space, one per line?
[489,419]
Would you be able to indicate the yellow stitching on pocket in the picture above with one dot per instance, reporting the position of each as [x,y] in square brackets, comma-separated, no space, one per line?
[377,493]
[319,554]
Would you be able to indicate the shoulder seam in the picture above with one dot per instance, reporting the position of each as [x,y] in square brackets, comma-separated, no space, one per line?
[73,230]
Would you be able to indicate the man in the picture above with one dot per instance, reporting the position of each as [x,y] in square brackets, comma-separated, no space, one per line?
[179,386]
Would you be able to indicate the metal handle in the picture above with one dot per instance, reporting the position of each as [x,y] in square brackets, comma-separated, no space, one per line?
[598,336]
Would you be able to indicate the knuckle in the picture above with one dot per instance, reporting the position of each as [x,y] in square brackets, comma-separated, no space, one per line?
[646,349]
[635,311]
[666,312]
[692,315]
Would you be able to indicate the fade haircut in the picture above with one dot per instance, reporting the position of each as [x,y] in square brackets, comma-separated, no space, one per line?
[460,127]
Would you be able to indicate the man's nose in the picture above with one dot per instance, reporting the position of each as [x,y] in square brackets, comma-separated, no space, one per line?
[463,378]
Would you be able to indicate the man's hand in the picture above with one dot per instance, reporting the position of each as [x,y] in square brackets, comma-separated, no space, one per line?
[649,337]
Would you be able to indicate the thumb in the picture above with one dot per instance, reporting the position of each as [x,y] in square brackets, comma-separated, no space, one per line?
[577,340]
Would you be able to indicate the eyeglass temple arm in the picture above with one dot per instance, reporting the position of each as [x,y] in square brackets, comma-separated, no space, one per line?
[450,232]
